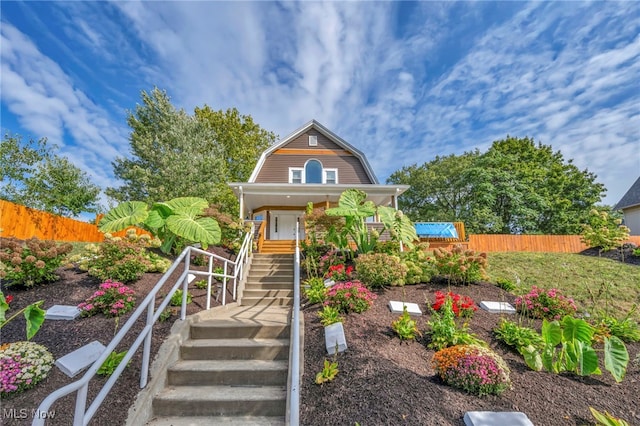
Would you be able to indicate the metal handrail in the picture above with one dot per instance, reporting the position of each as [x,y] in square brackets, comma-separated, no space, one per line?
[83,415]
[294,397]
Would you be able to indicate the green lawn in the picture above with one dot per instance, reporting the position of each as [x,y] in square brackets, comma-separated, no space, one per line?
[590,281]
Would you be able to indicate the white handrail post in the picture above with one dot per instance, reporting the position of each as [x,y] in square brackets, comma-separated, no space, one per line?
[146,351]
[185,285]
[81,405]
[209,283]
[224,285]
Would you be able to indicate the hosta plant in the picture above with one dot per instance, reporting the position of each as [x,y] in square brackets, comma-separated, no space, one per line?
[351,296]
[22,366]
[32,262]
[329,372]
[626,329]
[176,299]
[113,299]
[475,369]
[517,336]
[550,304]
[606,419]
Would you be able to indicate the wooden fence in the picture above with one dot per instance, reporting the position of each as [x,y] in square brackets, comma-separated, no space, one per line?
[24,223]
[532,243]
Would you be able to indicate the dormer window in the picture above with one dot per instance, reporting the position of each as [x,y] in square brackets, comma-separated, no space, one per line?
[313,172]
[313,140]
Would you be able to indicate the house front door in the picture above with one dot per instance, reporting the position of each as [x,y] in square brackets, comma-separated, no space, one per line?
[283,226]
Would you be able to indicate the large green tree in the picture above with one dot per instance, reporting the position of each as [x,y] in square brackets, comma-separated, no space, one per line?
[174,154]
[35,176]
[517,186]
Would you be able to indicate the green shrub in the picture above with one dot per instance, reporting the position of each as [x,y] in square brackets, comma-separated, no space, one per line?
[201,284]
[625,329]
[475,369]
[378,269]
[314,290]
[350,297]
[461,266]
[31,262]
[392,248]
[517,336]
[420,265]
[176,299]
[121,259]
[405,327]
[604,230]
[506,284]
[111,363]
[329,315]
[445,332]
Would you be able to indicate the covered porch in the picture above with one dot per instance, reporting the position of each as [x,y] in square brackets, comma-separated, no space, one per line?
[277,208]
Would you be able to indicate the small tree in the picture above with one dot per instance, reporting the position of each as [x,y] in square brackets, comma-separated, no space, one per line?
[604,230]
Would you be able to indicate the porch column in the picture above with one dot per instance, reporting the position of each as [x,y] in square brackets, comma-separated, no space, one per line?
[241,199]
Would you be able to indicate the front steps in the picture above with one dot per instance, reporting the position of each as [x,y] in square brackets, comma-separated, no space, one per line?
[233,369]
[270,281]
[278,246]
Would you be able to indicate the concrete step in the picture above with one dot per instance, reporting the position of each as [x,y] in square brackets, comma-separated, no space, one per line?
[207,349]
[269,285]
[232,373]
[217,420]
[280,257]
[221,329]
[271,270]
[269,279]
[267,293]
[220,401]
[266,301]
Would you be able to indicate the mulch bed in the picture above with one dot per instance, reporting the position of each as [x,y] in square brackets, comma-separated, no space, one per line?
[381,381]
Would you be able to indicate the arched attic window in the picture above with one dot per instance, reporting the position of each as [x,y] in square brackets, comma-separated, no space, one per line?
[313,171]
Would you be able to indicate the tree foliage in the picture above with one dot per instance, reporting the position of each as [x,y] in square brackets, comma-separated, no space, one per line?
[35,176]
[517,186]
[174,154]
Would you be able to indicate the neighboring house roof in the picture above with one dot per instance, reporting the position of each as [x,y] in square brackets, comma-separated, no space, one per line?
[326,132]
[631,198]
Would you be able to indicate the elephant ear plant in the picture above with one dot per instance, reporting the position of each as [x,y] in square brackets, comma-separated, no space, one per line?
[169,221]
[353,206]
[575,353]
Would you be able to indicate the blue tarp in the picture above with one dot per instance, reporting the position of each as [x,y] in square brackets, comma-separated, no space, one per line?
[436,230]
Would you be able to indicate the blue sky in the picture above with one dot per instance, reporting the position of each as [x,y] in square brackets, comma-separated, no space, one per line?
[401,81]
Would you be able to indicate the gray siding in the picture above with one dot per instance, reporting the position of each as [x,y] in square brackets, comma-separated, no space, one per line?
[302,142]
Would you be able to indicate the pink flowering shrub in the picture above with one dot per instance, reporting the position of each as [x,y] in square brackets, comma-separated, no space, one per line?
[350,296]
[22,366]
[112,299]
[549,304]
[472,368]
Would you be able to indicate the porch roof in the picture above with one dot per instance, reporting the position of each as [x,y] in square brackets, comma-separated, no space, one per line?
[256,195]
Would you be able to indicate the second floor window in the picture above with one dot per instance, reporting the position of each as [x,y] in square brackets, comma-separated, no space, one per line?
[313,172]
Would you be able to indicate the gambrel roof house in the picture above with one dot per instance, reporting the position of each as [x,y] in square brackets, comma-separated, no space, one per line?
[630,206]
[312,164]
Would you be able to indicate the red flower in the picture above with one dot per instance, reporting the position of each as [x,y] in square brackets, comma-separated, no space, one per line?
[9,299]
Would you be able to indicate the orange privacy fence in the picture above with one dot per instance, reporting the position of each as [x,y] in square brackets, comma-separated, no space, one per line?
[533,243]
[24,223]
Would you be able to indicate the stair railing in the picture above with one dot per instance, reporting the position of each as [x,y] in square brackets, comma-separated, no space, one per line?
[294,397]
[82,414]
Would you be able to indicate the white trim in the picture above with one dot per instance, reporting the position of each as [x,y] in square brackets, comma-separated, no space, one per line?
[296,169]
[313,140]
[326,132]
[324,176]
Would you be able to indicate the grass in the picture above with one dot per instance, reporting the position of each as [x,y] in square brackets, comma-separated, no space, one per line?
[594,283]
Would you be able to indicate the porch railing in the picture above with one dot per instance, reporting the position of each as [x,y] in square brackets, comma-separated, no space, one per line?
[294,396]
[82,414]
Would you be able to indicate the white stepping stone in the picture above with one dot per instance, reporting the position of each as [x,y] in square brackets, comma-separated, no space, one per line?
[498,307]
[62,312]
[398,308]
[492,418]
[76,361]
[334,334]
[329,283]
